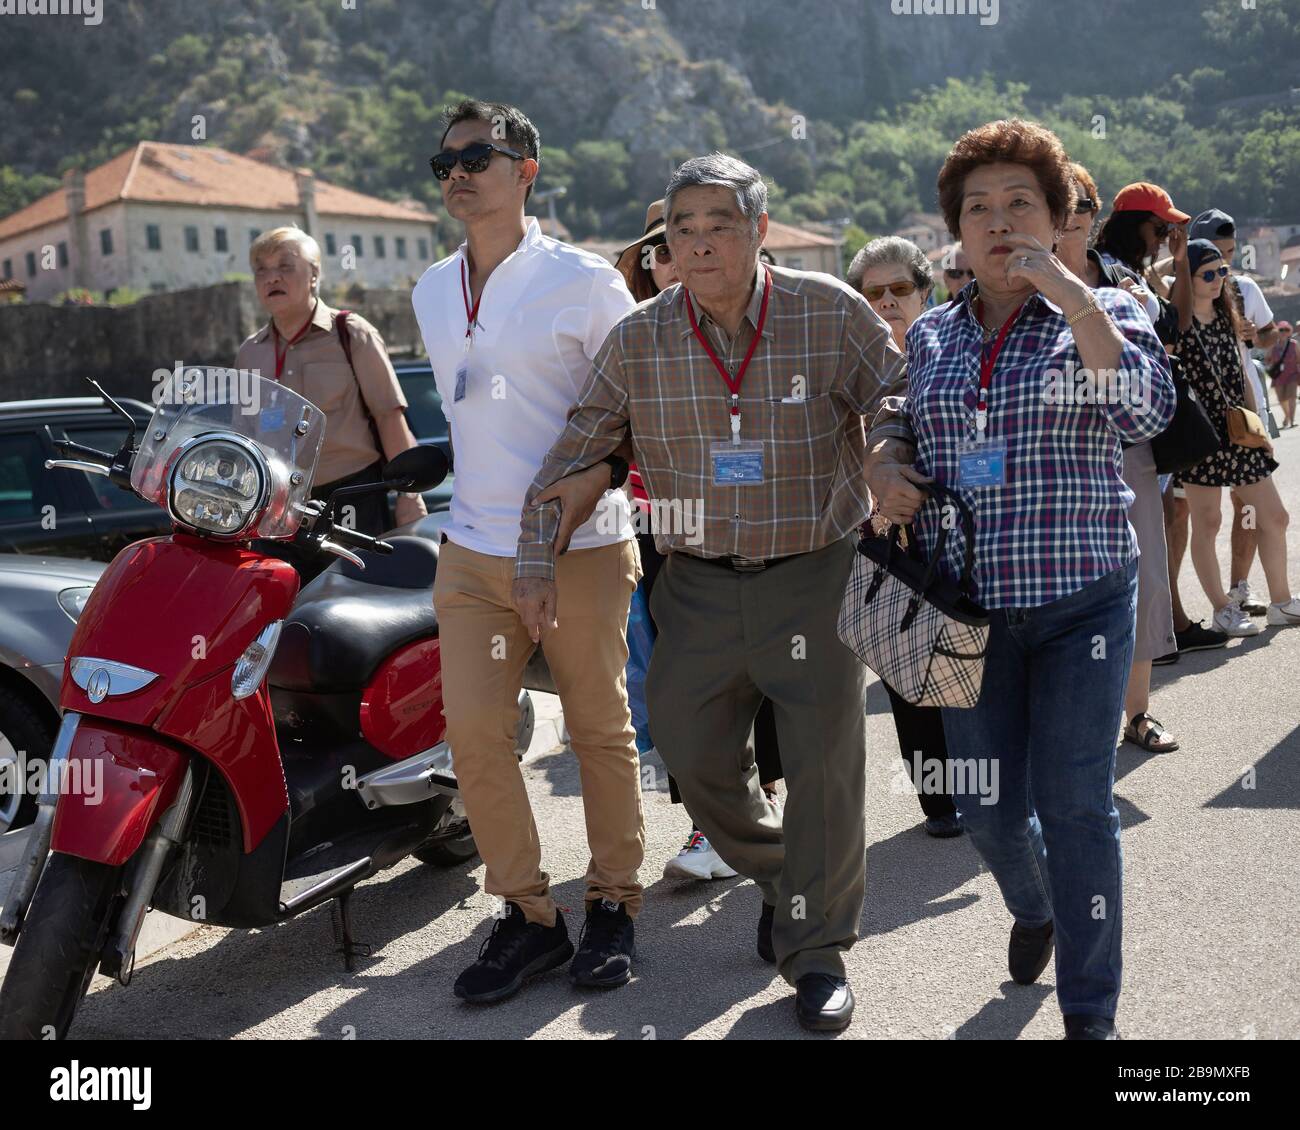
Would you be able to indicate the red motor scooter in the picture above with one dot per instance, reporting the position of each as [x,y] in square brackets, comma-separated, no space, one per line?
[227,754]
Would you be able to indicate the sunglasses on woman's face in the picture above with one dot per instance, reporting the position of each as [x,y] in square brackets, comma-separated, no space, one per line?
[1083,206]
[1213,273]
[1160,228]
[898,290]
[474,157]
[956,273]
[661,254]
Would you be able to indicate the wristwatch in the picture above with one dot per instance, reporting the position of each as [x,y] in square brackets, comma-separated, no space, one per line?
[617,470]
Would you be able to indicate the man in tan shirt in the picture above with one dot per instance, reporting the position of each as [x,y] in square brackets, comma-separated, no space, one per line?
[362,400]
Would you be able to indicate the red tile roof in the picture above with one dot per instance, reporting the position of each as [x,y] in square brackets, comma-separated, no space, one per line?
[787,237]
[160,173]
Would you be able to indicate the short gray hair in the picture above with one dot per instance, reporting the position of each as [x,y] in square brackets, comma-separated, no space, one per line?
[892,249]
[717,168]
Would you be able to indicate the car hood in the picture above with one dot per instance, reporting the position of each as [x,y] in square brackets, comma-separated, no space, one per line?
[61,571]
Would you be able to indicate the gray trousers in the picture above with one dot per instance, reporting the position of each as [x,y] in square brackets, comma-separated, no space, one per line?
[726,640]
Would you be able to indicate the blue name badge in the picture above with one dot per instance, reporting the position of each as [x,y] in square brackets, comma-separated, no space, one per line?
[982,465]
[736,464]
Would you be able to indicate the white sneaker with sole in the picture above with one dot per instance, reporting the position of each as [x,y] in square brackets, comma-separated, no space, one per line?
[1250,603]
[1232,621]
[1283,615]
[697,860]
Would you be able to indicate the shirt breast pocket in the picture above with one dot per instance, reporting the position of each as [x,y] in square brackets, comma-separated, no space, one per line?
[327,384]
[801,435]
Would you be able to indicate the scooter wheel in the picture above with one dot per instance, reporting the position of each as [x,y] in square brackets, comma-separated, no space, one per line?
[458,844]
[58,948]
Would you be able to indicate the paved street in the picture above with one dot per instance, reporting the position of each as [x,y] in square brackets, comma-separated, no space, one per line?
[1212,898]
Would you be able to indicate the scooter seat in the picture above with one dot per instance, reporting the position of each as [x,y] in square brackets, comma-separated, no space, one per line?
[348,621]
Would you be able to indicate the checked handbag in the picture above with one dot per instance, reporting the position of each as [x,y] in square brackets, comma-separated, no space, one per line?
[922,634]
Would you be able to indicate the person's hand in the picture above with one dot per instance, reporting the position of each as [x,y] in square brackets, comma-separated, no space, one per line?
[409,508]
[535,601]
[1135,288]
[896,488]
[1178,243]
[577,495]
[1248,329]
[1032,263]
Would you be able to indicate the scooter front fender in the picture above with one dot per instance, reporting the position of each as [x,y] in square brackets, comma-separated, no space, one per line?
[114,783]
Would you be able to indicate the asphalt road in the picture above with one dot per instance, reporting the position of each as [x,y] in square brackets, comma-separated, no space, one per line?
[1212,896]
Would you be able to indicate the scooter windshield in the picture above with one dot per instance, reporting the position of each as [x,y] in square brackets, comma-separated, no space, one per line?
[214,402]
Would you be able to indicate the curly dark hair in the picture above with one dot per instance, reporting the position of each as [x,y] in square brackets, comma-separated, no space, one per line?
[1015,142]
[1120,236]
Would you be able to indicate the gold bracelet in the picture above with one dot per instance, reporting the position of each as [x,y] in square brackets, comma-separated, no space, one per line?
[1079,315]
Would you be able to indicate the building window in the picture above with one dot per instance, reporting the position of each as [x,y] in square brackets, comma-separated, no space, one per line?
[401,247]
[8,272]
[253,233]
[158,288]
[63,254]
[795,263]
[330,248]
[106,241]
[31,264]
[422,246]
[153,237]
[379,247]
[356,246]
[191,238]
[219,239]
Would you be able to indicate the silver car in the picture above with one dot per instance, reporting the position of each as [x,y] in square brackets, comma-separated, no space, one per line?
[40,601]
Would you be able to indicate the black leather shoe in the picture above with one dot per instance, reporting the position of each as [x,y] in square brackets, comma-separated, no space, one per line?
[765,950]
[1090,1028]
[515,951]
[943,827]
[823,1003]
[1029,951]
[606,948]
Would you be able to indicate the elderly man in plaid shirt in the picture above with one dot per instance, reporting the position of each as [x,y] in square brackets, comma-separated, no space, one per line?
[744,390]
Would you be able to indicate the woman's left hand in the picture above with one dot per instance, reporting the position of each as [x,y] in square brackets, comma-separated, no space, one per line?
[1032,263]
[410,508]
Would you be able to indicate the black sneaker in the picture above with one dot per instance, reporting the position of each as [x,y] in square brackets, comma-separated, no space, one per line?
[606,948]
[1029,951]
[943,827]
[1078,1027]
[515,951]
[765,950]
[1196,638]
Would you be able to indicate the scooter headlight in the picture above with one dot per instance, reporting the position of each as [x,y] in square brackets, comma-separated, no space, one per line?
[218,486]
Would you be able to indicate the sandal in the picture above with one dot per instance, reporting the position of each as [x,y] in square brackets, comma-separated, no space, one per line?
[1152,737]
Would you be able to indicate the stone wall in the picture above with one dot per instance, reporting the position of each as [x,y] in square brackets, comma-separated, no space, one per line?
[49,350]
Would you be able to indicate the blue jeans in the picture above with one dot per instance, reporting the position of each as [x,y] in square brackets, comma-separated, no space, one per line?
[1044,733]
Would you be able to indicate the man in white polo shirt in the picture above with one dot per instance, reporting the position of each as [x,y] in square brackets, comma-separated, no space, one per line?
[511,322]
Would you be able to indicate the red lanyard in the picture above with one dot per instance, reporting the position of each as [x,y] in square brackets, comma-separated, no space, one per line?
[471,316]
[733,383]
[280,358]
[988,359]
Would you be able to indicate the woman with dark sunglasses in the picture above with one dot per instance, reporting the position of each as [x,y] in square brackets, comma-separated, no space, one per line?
[1208,349]
[646,265]
[896,279]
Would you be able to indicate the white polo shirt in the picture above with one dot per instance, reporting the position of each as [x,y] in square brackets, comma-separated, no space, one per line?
[544,313]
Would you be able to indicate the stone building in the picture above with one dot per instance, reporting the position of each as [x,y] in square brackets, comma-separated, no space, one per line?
[164,217]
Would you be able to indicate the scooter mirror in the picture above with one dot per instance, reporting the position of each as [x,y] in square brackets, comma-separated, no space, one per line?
[417,469]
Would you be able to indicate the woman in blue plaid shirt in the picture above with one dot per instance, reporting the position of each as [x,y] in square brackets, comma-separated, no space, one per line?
[1020,393]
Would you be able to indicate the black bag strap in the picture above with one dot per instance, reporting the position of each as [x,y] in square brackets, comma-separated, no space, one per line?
[966,582]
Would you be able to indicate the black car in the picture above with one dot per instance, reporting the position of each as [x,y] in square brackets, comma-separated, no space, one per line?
[428,423]
[68,514]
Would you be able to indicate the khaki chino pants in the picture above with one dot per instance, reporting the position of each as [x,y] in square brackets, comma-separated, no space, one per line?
[485,649]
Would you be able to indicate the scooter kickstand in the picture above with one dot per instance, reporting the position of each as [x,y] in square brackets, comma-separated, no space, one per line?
[341,920]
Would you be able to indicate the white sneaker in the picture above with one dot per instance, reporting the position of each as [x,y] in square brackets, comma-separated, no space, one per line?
[1282,615]
[1250,603]
[1232,621]
[697,860]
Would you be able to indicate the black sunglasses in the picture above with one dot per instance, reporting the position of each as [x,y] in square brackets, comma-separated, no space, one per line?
[1212,274]
[475,157]
[958,273]
[1084,205]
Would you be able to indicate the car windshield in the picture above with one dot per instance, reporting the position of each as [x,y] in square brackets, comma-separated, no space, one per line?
[197,402]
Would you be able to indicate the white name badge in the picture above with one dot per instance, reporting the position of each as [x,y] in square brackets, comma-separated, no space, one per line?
[462,379]
[736,464]
[982,465]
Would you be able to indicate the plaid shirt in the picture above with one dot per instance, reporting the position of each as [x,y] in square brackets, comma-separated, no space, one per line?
[1061,520]
[825,361]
